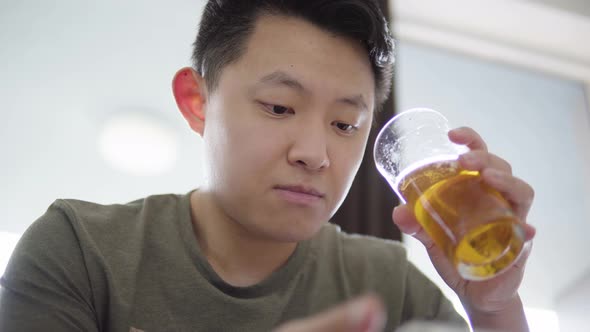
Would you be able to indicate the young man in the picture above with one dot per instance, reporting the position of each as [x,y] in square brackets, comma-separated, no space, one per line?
[283,94]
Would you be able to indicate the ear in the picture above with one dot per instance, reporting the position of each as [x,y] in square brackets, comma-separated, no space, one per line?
[190,92]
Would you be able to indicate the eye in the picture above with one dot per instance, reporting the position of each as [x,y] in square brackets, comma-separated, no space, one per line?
[278,110]
[345,127]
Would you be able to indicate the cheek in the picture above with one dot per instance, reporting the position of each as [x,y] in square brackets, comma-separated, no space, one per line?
[243,151]
[346,160]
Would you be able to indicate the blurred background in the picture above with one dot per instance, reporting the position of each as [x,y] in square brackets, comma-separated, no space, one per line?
[87,113]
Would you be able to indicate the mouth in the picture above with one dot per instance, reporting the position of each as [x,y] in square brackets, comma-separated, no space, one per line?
[300,195]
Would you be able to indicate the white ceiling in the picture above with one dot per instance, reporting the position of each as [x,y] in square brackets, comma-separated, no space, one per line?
[580,7]
[519,33]
[66,67]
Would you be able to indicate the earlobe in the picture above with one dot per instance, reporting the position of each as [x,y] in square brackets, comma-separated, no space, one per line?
[189,93]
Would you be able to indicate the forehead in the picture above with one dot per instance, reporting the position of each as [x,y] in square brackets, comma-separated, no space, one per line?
[320,59]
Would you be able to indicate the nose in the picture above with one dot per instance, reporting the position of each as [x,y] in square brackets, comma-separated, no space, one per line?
[309,148]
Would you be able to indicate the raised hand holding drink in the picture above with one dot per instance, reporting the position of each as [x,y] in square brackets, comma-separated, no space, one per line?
[469,220]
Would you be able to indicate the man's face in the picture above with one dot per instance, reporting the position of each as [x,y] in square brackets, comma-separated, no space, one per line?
[286,128]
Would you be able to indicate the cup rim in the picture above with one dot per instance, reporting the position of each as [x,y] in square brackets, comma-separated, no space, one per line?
[396,117]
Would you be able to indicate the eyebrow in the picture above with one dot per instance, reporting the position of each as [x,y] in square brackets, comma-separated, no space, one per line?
[356,101]
[282,78]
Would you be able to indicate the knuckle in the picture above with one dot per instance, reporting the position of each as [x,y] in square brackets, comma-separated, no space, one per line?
[500,162]
[508,167]
[425,239]
[474,158]
[531,193]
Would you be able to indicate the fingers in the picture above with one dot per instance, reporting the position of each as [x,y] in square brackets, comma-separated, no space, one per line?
[529,232]
[479,160]
[469,137]
[405,220]
[497,172]
[522,259]
[516,191]
[407,223]
[365,314]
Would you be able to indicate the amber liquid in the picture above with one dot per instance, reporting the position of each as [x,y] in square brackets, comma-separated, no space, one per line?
[471,222]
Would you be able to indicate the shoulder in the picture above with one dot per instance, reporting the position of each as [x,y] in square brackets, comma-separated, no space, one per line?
[116,228]
[69,226]
[79,211]
[77,237]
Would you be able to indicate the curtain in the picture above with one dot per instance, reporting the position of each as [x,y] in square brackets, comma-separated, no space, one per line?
[368,206]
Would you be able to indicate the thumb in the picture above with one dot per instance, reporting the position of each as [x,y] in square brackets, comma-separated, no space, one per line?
[365,314]
[407,223]
[404,219]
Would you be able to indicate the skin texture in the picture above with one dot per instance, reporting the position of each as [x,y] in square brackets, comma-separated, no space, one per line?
[293,114]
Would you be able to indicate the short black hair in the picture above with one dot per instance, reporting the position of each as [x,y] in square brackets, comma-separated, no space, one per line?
[226,26]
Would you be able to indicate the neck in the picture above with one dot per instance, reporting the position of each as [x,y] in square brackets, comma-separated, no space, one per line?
[239,257]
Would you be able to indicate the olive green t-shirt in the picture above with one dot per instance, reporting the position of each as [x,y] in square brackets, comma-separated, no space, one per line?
[138,267]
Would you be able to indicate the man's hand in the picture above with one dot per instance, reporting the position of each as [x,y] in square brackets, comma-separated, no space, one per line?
[499,294]
[365,314]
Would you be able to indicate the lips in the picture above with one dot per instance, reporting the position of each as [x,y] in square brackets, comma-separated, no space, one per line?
[300,189]
[298,195]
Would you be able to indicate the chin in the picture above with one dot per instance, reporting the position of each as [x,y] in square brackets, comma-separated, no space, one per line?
[295,231]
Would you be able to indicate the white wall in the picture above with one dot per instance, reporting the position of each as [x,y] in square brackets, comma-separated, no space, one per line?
[66,69]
